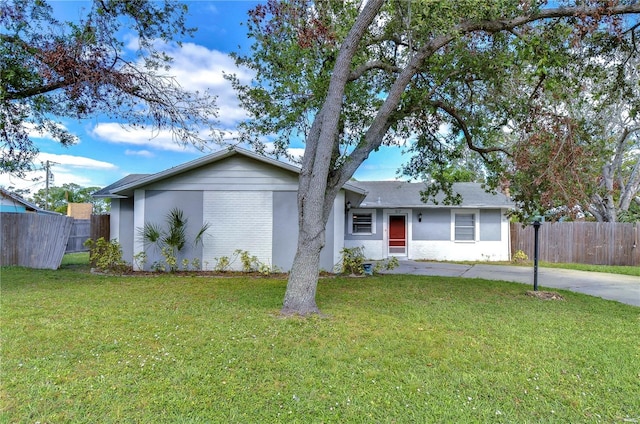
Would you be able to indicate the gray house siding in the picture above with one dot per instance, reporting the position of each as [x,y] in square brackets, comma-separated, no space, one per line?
[490,223]
[158,204]
[285,228]
[435,225]
[125,227]
[251,205]
[285,232]
[231,174]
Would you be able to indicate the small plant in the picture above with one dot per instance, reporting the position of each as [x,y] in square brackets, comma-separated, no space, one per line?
[352,261]
[185,264]
[106,255]
[195,264]
[222,264]
[519,257]
[172,239]
[386,265]
[249,263]
[140,259]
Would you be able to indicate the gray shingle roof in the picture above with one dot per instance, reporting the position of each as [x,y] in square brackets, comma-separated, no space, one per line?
[28,205]
[396,194]
[108,190]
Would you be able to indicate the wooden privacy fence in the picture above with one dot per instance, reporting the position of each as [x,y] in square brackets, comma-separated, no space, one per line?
[597,243]
[83,229]
[33,240]
[100,227]
[80,231]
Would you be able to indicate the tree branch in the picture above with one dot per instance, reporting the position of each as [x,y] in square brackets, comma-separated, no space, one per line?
[377,64]
[465,130]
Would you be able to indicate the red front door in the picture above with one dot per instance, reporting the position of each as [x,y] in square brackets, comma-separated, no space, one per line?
[397,235]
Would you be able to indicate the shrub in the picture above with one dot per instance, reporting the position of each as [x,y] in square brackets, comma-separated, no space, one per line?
[352,261]
[106,255]
[519,257]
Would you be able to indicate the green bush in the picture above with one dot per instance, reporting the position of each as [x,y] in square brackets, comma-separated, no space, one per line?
[519,257]
[106,255]
[352,261]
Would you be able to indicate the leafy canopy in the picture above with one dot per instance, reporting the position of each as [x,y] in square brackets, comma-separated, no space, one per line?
[50,69]
[444,78]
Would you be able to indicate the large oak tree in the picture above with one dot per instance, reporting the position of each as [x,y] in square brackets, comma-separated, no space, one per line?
[348,77]
[52,68]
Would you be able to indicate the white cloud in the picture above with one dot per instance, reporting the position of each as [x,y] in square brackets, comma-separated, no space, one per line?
[115,133]
[143,153]
[66,169]
[75,161]
[197,68]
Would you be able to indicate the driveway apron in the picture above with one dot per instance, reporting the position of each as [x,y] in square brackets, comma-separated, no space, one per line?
[621,288]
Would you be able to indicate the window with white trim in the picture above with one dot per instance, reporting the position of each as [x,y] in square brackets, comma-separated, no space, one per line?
[362,221]
[464,226]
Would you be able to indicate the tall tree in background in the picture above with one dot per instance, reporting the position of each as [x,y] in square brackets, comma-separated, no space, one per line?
[580,152]
[51,69]
[58,198]
[348,77]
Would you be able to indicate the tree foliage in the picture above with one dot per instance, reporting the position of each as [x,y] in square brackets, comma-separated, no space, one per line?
[348,77]
[58,198]
[50,69]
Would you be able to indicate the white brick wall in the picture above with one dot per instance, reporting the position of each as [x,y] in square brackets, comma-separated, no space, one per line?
[239,220]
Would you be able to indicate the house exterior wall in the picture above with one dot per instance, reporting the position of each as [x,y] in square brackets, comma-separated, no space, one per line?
[433,237]
[251,206]
[158,205]
[241,220]
[285,228]
[121,226]
[10,205]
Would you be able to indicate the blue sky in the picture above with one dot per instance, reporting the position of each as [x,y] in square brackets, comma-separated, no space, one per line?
[106,151]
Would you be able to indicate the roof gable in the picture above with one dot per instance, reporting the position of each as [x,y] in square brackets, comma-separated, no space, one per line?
[124,187]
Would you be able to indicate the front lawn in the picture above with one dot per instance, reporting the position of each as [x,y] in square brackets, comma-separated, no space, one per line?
[78,347]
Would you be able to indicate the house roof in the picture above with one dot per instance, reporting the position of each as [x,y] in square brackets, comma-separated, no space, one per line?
[111,188]
[397,194]
[31,207]
[122,187]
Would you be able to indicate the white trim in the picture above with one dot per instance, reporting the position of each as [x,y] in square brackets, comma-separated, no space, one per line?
[476,224]
[338,226]
[364,211]
[408,213]
[138,222]
[114,220]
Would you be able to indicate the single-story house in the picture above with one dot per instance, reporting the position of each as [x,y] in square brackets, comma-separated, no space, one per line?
[249,200]
[392,220]
[11,202]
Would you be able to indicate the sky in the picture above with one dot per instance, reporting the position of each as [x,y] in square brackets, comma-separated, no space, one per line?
[107,151]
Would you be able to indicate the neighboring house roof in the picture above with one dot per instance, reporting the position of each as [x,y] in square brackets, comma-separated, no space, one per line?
[400,194]
[125,186]
[28,206]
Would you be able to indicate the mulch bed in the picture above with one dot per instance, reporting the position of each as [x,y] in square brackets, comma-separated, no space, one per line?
[545,295]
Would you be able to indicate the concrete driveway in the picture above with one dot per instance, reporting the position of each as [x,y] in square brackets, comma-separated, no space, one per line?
[621,288]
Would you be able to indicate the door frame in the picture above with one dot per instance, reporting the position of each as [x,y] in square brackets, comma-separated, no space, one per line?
[407,213]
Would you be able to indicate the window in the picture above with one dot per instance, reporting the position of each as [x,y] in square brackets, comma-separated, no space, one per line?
[363,222]
[465,227]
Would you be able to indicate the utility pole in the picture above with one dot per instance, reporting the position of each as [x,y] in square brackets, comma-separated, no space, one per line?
[46,187]
[47,168]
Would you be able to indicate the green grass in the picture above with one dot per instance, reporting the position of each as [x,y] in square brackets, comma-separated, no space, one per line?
[612,269]
[83,348]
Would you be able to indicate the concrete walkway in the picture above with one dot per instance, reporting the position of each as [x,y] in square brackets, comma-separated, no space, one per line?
[621,288]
